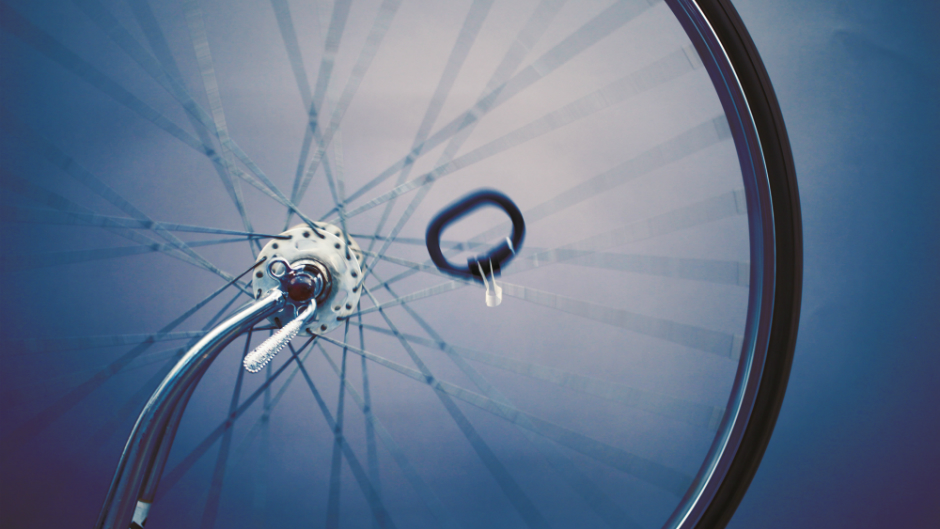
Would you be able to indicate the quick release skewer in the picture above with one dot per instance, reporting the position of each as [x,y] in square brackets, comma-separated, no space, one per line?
[319,271]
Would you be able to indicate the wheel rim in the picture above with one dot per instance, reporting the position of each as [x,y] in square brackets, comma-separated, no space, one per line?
[654,240]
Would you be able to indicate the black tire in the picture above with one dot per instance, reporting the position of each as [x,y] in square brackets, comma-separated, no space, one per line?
[716,506]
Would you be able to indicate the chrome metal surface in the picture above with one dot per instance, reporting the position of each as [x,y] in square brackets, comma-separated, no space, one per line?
[264,353]
[330,254]
[152,436]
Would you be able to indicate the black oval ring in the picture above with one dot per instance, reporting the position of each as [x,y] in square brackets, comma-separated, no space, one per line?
[494,259]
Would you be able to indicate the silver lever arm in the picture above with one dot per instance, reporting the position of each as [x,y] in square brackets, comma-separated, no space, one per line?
[150,434]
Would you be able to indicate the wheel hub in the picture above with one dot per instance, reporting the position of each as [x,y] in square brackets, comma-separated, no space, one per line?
[312,264]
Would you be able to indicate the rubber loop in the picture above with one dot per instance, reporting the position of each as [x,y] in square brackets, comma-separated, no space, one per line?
[497,257]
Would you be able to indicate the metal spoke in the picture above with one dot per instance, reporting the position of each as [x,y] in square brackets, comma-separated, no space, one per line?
[692,413]
[75,218]
[15,24]
[110,25]
[197,32]
[581,484]
[33,346]
[172,477]
[161,50]
[289,35]
[465,40]
[150,359]
[368,490]
[691,141]
[583,38]
[402,240]
[705,270]
[426,493]
[71,167]
[285,24]
[365,405]
[517,497]
[383,20]
[654,473]
[726,205]
[39,422]
[332,509]
[334,36]
[340,189]
[525,40]
[662,71]
[218,475]
[259,501]
[701,415]
[414,296]
[723,206]
[47,259]
[715,342]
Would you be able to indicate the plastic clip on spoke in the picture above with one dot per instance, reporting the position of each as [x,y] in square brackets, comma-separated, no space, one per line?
[496,258]
[494,293]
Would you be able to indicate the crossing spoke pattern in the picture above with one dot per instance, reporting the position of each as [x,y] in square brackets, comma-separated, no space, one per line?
[590,33]
[657,474]
[589,397]
[143,14]
[39,422]
[599,501]
[519,499]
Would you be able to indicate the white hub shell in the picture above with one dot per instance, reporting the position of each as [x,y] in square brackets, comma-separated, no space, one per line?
[305,244]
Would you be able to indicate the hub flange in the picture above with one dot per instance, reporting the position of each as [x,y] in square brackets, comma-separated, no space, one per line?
[332,279]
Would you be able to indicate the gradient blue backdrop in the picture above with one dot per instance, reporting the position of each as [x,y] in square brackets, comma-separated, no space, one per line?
[857,441]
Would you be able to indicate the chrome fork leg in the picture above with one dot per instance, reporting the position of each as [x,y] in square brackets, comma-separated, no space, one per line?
[141,463]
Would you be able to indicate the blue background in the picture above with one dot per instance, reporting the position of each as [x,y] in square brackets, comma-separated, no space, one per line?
[856,443]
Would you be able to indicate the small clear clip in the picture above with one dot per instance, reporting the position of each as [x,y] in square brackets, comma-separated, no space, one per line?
[494,294]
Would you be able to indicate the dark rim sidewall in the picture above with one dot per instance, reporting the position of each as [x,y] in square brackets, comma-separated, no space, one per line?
[742,439]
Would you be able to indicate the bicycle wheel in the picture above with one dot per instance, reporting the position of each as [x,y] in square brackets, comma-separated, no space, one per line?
[631,375]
